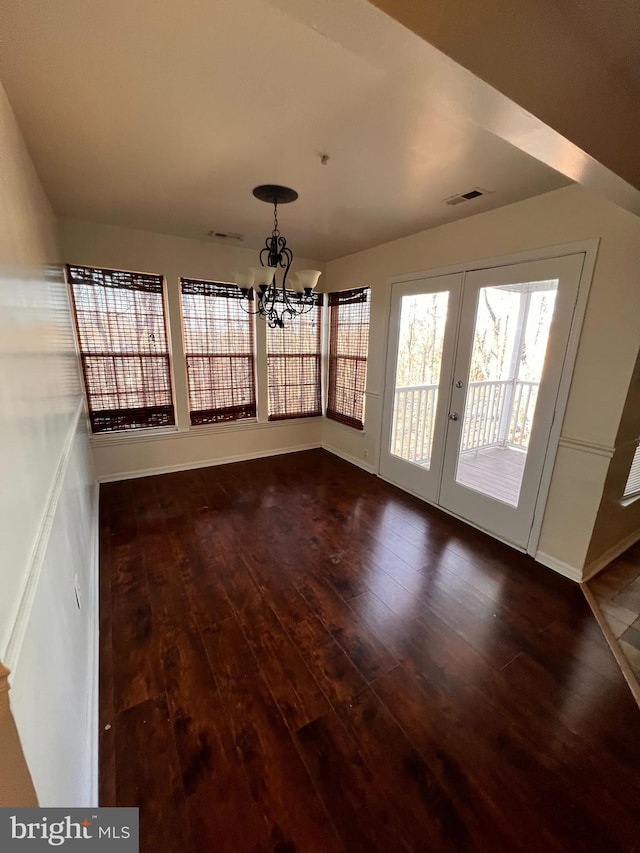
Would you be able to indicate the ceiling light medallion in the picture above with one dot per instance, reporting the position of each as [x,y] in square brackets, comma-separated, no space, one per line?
[274,301]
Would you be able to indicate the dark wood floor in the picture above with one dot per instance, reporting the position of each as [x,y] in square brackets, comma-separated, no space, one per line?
[297,656]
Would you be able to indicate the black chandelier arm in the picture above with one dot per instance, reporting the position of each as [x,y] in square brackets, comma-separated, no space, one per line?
[276,253]
[270,252]
[288,254]
[306,307]
[273,297]
[267,302]
[247,310]
[297,303]
[275,322]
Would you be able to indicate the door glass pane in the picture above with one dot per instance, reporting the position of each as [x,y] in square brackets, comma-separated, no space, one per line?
[509,346]
[422,323]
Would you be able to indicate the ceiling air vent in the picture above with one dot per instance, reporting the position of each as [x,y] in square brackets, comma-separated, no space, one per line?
[226,235]
[458,199]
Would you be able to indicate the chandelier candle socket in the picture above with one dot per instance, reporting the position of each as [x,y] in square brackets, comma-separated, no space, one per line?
[274,301]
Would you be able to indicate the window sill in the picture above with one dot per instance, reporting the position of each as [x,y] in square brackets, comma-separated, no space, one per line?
[625,502]
[135,435]
[246,424]
[350,429]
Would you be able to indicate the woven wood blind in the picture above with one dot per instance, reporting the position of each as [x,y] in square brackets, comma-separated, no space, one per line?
[123,348]
[348,346]
[293,362]
[219,348]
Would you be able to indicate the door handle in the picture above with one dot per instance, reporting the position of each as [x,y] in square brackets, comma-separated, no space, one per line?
[453,416]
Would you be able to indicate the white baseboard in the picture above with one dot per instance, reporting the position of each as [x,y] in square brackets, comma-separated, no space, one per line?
[361,463]
[204,463]
[94,657]
[571,572]
[594,566]
[239,457]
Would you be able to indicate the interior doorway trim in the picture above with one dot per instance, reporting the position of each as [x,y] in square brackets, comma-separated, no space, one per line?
[589,248]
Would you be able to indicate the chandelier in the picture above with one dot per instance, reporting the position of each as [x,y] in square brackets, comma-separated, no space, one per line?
[273,300]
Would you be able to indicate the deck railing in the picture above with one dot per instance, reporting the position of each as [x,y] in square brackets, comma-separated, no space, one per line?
[525,396]
[496,414]
[412,431]
[499,413]
[484,415]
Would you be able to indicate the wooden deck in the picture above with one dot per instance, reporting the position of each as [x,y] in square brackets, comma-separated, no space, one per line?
[494,471]
[297,656]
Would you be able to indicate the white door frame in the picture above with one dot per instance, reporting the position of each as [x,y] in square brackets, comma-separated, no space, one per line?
[424,483]
[590,250]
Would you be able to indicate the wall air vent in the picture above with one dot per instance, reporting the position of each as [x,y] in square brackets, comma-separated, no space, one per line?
[226,235]
[476,192]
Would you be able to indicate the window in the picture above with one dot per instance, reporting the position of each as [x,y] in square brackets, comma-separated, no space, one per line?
[293,362]
[632,489]
[348,345]
[218,340]
[123,348]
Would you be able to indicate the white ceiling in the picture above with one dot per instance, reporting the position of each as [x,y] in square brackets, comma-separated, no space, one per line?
[164,115]
[560,81]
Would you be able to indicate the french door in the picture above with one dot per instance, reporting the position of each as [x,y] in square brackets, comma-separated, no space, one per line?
[473,371]
[422,334]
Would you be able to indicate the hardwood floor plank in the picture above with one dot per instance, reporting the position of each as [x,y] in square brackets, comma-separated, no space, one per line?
[218,799]
[563,751]
[137,670]
[164,823]
[222,810]
[367,653]
[296,655]
[340,568]
[595,654]
[480,700]
[437,808]
[469,751]
[266,752]
[581,716]
[106,739]
[294,688]
[399,600]
[277,587]
[345,784]
[328,662]
[197,563]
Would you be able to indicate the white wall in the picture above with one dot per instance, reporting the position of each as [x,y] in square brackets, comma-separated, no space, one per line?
[618,522]
[47,506]
[606,356]
[130,454]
